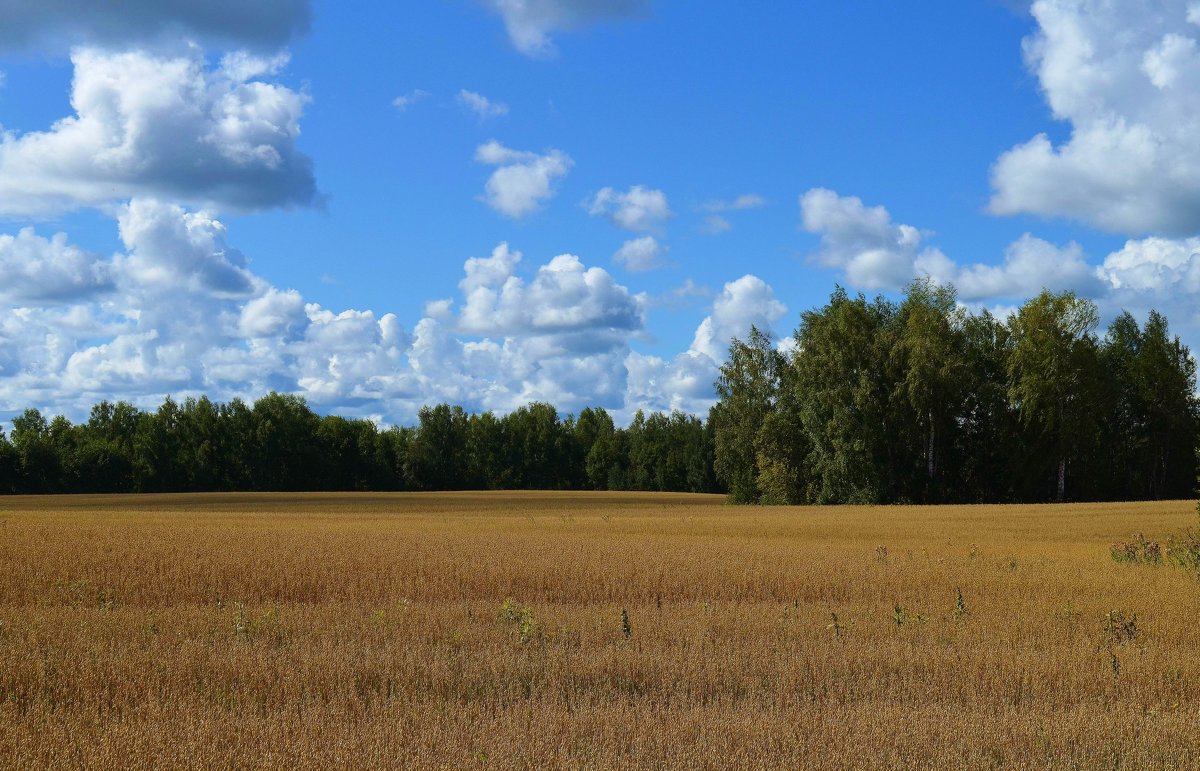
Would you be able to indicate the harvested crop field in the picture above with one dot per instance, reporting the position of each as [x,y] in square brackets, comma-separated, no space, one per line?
[477,630]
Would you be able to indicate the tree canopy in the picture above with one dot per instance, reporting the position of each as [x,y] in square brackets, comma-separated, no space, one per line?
[921,401]
[279,443]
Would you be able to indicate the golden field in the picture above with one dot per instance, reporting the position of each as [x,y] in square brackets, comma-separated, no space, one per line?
[366,631]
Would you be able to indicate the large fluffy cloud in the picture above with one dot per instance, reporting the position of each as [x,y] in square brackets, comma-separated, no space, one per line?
[1029,265]
[1157,265]
[179,312]
[862,241]
[530,22]
[743,303]
[565,298]
[523,179]
[36,270]
[685,382]
[873,253]
[172,249]
[1158,273]
[166,126]
[61,23]
[1126,77]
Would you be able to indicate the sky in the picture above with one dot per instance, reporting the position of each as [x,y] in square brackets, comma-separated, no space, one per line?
[493,202]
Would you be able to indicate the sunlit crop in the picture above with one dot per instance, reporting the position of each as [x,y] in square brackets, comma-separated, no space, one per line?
[602,631]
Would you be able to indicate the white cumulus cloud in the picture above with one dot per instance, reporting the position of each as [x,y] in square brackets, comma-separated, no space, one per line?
[165,126]
[1155,265]
[1030,264]
[523,180]
[179,312]
[875,253]
[565,298]
[685,381]
[862,241]
[638,209]
[36,270]
[1126,77]
[748,301]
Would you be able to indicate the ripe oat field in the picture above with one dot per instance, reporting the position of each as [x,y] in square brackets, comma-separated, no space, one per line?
[533,630]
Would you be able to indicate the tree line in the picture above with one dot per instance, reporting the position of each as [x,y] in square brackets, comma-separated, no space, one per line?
[868,402]
[921,401]
[279,443]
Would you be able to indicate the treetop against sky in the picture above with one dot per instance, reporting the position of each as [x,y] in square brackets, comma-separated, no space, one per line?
[494,202]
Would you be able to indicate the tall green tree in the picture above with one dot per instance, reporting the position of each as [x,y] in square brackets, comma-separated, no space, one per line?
[539,447]
[1168,378]
[748,387]
[781,448]
[437,453]
[593,434]
[928,368]
[842,377]
[285,449]
[989,442]
[41,461]
[10,466]
[1052,372]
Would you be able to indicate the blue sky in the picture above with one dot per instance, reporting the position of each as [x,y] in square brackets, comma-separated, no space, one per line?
[493,201]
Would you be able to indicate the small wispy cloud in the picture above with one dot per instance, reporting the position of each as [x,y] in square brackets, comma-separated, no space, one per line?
[641,254]
[746,201]
[404,101]
[479,105]
[715,223]
[687,294]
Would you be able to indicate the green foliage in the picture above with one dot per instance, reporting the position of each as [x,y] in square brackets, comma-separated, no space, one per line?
[748,386]
[843,388]
[920,401]
[1053,374]
[1183,549]
[928,367]
[902,617]
[520,618]
[279,443]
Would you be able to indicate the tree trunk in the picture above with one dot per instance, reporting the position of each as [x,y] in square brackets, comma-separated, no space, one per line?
[1062,480]
[929,455]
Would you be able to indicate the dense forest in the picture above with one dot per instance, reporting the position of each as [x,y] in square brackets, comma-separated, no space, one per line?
[869,402]
[279,443]
[921,401]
